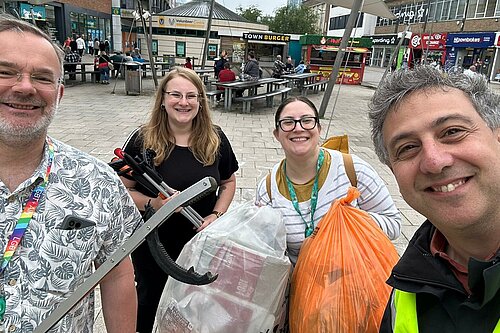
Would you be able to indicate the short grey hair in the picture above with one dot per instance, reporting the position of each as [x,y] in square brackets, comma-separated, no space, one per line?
[10,23]
[396,87]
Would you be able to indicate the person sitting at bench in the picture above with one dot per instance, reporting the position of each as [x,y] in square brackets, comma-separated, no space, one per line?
[225,75]
[300,68]
[71,58]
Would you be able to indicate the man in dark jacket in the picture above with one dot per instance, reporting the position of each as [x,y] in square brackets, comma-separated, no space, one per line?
[219,64]
[440,136]
[252,66]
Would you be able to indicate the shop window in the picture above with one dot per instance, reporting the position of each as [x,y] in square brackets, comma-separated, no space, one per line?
[212,51]
[154,47]
[497,12]
[73,17]
[180,49]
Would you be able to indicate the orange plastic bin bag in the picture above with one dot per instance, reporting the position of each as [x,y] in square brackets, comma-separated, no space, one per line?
[338,284]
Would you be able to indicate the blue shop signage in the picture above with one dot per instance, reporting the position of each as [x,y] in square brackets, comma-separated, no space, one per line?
[475,40]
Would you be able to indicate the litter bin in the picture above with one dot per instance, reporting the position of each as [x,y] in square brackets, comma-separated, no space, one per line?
[133,78]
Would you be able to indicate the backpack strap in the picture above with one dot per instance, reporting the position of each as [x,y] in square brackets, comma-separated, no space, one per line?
[268,186]
[349,169]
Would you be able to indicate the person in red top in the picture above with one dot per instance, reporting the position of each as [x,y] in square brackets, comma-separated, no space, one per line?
[226,75]
[188,63]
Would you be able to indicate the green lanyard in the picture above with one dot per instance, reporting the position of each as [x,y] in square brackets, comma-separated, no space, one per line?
[314,194]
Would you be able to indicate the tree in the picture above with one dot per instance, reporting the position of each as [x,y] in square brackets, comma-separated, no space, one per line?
[252,13]
[294,20]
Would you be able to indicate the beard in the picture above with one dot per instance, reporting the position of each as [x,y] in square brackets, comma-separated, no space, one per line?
[23,133]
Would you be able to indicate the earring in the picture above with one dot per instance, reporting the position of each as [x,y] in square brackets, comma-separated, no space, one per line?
[162,107]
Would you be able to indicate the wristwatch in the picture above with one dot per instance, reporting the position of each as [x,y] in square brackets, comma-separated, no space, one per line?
[218,214]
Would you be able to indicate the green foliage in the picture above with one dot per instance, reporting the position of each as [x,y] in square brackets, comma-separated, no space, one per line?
[294,20]
[252,13]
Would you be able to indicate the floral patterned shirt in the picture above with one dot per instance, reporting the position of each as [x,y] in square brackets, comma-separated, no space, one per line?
[50,263]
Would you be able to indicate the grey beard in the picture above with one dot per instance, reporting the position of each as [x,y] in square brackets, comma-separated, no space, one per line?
[24,135]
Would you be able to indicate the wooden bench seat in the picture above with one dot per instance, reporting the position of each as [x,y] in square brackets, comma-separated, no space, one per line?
[315,86]
[247,100]
[212,95]
[82,74]
[283,92]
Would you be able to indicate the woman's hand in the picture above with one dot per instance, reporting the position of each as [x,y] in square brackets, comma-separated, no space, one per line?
[207,220]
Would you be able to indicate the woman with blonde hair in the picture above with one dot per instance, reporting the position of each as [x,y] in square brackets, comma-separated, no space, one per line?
[188,148]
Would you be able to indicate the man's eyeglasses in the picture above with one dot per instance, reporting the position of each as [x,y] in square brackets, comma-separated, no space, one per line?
[40,81]
[288,124]
[177,96]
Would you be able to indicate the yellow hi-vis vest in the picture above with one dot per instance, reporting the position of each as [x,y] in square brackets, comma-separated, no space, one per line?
[405,305]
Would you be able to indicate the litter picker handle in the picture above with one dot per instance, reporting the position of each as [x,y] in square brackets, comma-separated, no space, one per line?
[185,197]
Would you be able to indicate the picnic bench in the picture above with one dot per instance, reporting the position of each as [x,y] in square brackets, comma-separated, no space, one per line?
[212,95]
[269,96]
[314,86]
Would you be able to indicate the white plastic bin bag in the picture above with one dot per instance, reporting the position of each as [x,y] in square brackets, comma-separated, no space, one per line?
[246,248]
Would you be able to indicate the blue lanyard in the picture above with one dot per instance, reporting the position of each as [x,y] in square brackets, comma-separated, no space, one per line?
[314,195]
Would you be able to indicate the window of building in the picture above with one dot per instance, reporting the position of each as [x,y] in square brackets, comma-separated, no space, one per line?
[180,49]
[461,9]
[490,8]
[472,9]
[340,22]
[453,9]
[481,8]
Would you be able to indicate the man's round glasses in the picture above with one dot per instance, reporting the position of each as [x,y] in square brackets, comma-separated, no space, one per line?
[288,124]
[40,81]
[177,96]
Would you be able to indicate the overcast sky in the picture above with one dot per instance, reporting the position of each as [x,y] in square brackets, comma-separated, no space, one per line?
[267,6]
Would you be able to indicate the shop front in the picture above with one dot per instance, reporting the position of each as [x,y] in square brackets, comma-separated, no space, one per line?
[320,53]
[266,47]
[383,47]
[467,49]
[427,48]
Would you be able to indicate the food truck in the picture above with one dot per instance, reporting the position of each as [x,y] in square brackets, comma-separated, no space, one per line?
[319,52]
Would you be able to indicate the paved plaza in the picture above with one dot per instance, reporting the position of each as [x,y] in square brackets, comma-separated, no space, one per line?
[96,120]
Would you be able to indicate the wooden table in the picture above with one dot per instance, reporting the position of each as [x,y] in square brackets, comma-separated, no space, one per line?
[301,79]
[251,85]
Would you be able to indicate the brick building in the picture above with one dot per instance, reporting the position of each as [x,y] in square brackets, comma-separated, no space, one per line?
[457,33]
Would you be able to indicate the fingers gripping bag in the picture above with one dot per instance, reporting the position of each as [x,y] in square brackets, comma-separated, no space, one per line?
[246,248]
[338,284]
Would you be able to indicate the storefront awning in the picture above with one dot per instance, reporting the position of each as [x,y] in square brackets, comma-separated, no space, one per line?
[336,48]
[374,7]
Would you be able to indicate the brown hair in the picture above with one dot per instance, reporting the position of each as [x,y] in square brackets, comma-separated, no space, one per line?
[204,140]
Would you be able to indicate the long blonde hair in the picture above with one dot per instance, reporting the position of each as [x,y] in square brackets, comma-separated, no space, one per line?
[204,140]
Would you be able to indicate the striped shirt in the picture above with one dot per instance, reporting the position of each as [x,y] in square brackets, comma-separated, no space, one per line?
[374,199]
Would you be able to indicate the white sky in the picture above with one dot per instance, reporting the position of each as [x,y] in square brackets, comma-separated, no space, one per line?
[267,6]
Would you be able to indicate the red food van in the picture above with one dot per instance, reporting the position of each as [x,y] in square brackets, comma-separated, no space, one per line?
[319,52]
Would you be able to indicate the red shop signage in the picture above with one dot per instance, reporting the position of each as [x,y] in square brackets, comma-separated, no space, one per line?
[435,41]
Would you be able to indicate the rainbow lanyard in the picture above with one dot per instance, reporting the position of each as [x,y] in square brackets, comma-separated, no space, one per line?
[28,212]
[314,195]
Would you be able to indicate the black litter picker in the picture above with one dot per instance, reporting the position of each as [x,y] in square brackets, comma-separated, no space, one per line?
[145,174]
